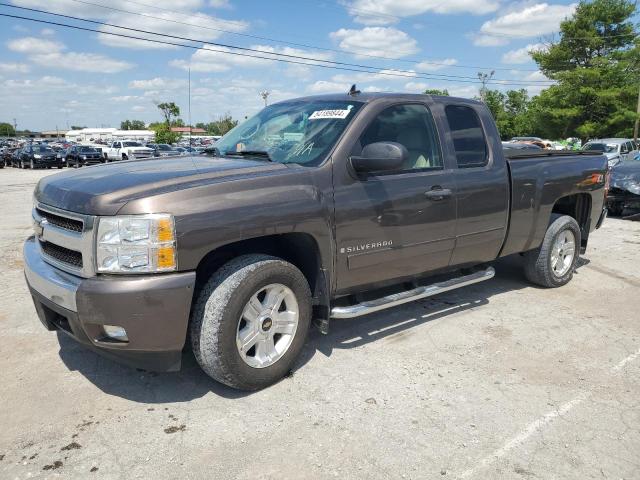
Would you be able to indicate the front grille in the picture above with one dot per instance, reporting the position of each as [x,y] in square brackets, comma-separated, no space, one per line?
[62,222]
[61,254]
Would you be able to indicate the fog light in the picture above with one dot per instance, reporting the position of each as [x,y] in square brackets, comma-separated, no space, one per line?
[117,333]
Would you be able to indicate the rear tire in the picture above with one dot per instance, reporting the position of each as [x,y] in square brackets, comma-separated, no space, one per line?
[221,308]
[553,263]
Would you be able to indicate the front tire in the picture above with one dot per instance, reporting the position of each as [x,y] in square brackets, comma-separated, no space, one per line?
[616,209]
[553,263]
[250,321]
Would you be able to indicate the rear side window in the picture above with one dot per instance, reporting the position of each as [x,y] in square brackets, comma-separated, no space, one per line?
[467,135]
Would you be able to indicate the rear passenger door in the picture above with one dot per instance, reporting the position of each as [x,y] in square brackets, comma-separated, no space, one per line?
[482,183]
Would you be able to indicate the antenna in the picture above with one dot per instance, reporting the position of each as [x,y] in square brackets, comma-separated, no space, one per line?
[190,127]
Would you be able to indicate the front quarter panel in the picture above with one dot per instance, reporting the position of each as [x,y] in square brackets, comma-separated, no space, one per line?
[294,199]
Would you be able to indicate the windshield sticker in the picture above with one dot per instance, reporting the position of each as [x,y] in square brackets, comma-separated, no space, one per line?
[331,114]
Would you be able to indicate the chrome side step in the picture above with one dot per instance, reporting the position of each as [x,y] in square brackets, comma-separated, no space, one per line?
[389,301]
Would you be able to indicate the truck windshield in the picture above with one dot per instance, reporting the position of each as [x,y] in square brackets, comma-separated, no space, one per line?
[601,147]
[290,132]
[131,144]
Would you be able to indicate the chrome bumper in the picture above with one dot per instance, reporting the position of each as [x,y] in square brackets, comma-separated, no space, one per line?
[55,285]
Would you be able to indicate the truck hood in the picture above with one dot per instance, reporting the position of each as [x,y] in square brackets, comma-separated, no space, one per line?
[104,189]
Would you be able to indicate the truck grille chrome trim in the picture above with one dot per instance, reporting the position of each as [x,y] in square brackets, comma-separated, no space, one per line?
[395,299]
[65,239]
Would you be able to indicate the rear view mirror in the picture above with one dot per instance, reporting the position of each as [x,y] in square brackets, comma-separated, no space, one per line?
[380,157]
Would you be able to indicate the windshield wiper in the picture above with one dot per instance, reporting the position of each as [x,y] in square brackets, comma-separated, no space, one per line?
[262,154]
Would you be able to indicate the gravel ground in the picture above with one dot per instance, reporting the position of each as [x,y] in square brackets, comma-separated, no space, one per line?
[499,380]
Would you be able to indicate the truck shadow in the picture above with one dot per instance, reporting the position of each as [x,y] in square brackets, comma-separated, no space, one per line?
[191,382]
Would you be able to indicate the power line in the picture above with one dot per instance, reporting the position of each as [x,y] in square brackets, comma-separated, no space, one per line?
[363,68]
[270,39]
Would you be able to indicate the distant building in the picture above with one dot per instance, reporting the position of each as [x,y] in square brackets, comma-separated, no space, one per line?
[185,131]
[108,134]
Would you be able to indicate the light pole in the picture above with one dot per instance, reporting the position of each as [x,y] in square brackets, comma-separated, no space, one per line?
[485,78]
[637,125]
[265,94]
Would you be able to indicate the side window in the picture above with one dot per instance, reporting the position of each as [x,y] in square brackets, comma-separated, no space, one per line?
[411,126]
[467,135]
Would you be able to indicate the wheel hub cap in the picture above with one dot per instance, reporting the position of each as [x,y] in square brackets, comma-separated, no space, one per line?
[267,325]
[563,253]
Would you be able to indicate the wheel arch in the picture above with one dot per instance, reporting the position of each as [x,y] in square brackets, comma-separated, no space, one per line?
[297,248]
[577,206]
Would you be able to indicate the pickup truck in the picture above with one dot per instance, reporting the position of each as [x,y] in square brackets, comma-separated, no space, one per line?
[125,150]
[315,210]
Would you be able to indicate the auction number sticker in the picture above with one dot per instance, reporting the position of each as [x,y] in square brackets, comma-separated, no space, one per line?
[333,114]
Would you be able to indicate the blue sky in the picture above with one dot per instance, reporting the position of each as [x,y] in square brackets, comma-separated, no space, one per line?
[54,77]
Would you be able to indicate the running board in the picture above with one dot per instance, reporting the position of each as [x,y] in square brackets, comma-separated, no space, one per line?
[389,301]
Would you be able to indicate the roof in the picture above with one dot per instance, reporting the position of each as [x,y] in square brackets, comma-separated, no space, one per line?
[186,130]
[367,97]
[610,140]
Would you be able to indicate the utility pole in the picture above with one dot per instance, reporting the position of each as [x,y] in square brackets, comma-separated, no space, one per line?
[190,127]
[637,125]
[265,94]
[485,78]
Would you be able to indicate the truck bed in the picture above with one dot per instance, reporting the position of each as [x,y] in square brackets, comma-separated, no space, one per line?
[538,180]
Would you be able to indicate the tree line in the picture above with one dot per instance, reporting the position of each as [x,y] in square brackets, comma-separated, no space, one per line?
[596,66]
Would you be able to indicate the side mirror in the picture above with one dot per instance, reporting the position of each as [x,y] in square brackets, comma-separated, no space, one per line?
[380,157]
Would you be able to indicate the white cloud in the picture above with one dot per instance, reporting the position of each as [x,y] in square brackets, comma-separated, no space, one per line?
[124,98]
[82,62]
[14,68]
[223,59]
[385,12]
[220,4]
[381,41]
[415,87]
[51,53]
[381,75]
[158,84]
[46,82]
[47,32]
[435,65]
[323,86]
[521,55]
[31,45]
[138,108]
[531,21]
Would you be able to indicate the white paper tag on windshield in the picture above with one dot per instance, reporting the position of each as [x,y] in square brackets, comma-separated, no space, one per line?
[339,114]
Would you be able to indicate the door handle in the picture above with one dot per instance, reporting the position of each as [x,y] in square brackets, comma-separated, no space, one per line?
[437,193]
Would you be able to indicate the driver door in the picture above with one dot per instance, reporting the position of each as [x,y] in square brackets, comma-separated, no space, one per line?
[392,226]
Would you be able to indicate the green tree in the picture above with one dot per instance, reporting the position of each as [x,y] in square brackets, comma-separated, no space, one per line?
[222,125]
[169,110]
[436,91]
[7,130]
[132,125]
[596,63]
[164,133]
[77,127]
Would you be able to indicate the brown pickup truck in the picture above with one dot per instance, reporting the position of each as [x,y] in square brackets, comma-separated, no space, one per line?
[318,208]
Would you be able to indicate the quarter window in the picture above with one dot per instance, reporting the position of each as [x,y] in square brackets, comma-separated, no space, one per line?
[412,126]
[467,135]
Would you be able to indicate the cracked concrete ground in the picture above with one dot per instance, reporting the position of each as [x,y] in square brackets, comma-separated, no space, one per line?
[501,380]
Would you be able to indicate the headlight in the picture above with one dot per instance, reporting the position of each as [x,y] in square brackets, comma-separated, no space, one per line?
[84,157]
[37,156]
[136,244]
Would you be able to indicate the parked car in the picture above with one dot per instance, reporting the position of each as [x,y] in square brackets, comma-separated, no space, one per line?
[624,191]
[520,146]
[165,150]
[80,155]
[616,149]
[36,156]
[126,150]
[320,208]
